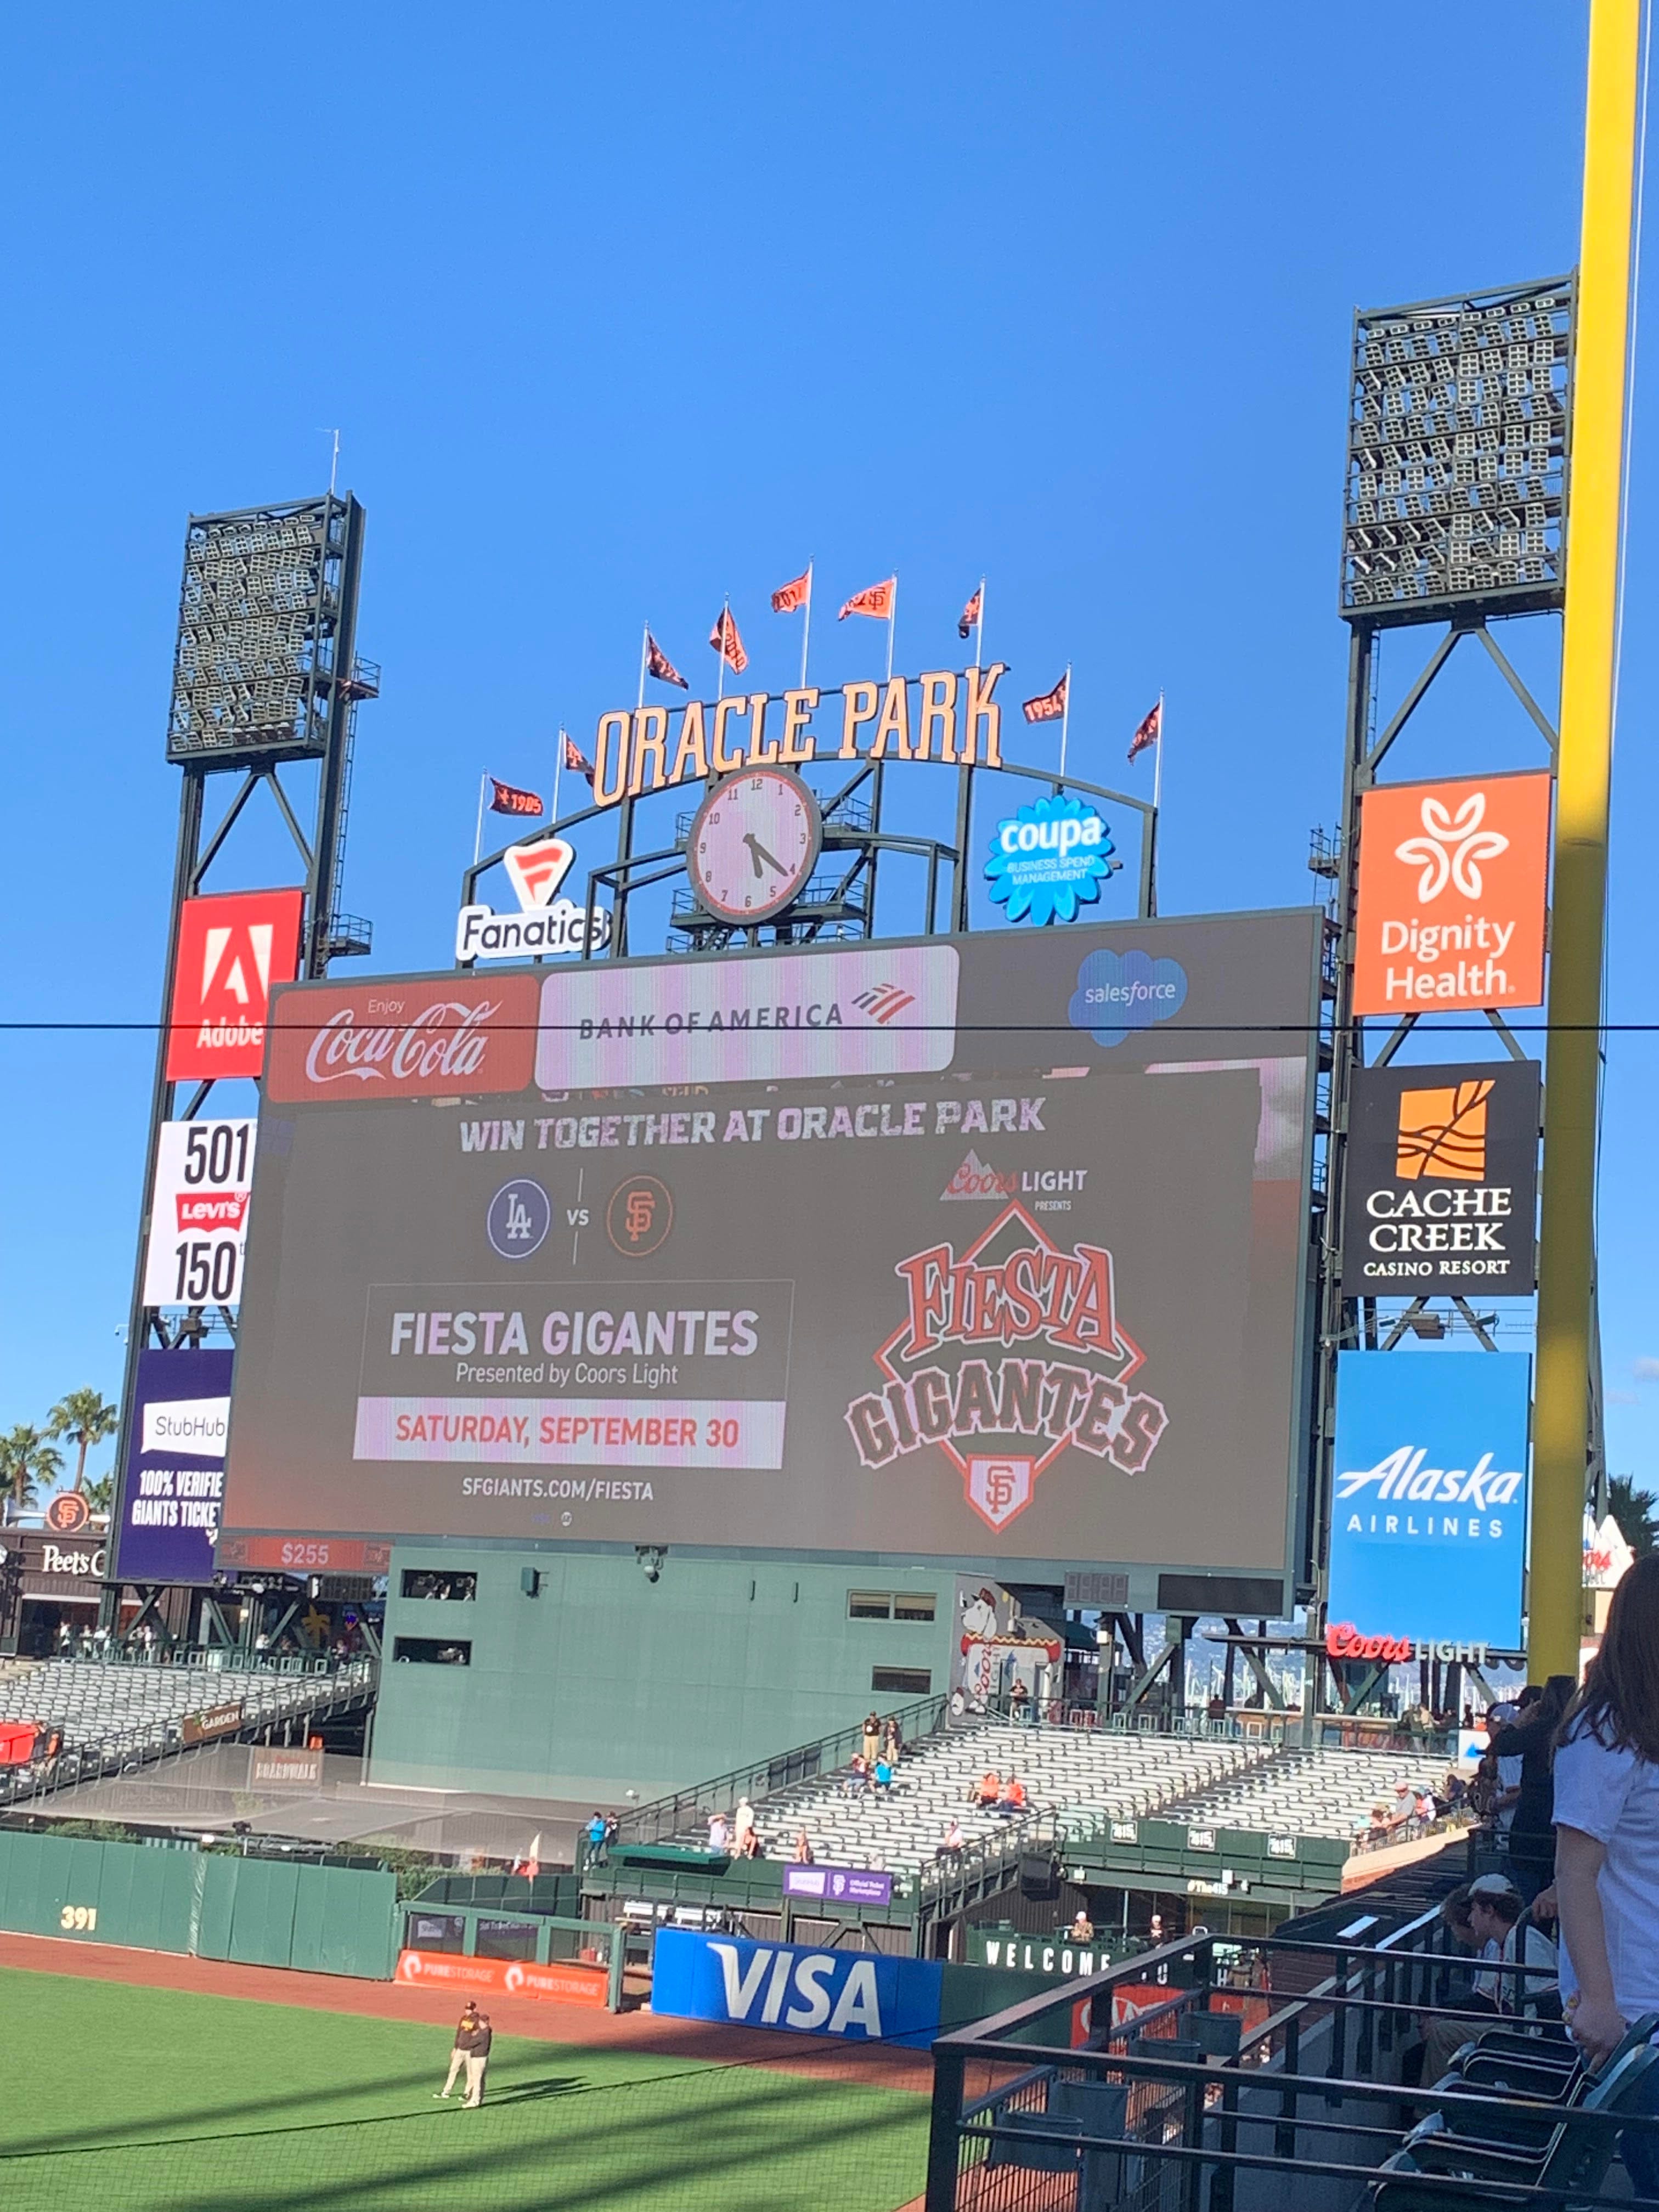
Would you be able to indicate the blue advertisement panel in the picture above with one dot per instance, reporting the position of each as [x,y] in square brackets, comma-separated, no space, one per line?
[173,1485]
[790,1985]
[1429,1495]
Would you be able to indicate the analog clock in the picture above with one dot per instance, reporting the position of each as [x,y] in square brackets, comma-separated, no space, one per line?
[754,844]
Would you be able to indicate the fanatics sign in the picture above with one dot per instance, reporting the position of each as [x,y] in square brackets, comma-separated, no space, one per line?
[1452,881]
[232,949]
[1441,1182]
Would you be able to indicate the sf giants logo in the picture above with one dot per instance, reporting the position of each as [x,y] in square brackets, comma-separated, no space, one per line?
[232,949]
[1002,1420]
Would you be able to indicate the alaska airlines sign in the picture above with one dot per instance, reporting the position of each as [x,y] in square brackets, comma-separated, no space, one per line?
[955,720]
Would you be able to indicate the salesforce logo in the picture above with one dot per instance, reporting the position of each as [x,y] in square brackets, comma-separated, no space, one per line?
[520,1214]
[1117,991]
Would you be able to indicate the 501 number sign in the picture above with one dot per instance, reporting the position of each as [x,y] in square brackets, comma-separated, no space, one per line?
[198,1213]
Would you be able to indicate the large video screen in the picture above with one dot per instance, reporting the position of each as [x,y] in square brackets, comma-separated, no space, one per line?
[991,1247]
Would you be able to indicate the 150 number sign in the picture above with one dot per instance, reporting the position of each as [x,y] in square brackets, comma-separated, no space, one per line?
[198,1213]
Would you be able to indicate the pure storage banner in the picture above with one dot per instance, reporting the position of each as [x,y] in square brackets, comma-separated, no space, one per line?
[991,1246]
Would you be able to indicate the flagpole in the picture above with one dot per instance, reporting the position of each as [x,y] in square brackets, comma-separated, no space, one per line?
[645,643]
[1065,720]
[892,618]
[558,770]
[1158,764]
[478,835]
[806,627]
[979,630]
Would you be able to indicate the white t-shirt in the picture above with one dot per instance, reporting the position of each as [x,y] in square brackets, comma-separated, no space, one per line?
[1614,1796]
[1521,1992]
[1509,1777]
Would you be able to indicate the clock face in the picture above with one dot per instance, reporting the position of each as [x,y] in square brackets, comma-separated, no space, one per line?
[753,844]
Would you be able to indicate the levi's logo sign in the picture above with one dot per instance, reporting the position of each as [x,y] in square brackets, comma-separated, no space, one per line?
[452,1038]
[232,949]
[212,1209]
[1442,1133]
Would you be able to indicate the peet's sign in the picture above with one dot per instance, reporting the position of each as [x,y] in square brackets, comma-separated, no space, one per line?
[956,721]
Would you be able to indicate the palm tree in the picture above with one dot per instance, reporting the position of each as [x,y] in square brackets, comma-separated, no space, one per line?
[26,1459]
[101,1495]
[86,1416]
[1634,1511]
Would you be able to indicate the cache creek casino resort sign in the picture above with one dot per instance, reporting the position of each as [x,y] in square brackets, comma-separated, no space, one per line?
[986,1245]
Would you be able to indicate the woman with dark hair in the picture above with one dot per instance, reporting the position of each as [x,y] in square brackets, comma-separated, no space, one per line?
[1607,1840]
[1531,1739]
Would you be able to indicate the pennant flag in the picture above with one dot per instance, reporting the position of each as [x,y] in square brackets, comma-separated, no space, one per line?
[877,600]
[507,798]
[725,641]
[1149,732]
[531,1864]
[657,664]
[1051,706]
[969,614]
[791,596]
[574,760]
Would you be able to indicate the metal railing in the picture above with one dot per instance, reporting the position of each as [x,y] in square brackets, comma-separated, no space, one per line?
[1279,2083]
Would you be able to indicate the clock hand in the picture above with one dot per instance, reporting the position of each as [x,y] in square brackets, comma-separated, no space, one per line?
[757,852]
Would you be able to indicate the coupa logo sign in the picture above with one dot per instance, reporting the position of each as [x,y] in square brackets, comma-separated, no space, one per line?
[782,1986]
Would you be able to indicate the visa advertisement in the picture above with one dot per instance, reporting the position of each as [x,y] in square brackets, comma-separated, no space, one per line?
[1430,1495]
[984,1247]
[857,1996]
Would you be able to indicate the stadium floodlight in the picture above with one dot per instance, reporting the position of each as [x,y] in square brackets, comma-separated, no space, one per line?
[264,669]
[1456,491]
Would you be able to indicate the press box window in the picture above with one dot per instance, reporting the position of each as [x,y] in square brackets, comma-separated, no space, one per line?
[432,1651]
[432,1582]
[908,1681]
[887,1605]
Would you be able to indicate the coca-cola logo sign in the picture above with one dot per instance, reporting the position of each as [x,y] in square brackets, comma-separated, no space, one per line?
[451,1036]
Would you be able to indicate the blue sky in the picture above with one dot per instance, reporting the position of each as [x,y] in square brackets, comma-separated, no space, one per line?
[622,310]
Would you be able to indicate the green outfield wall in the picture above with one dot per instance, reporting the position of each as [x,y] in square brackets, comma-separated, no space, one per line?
[208,1905]
[584,1679]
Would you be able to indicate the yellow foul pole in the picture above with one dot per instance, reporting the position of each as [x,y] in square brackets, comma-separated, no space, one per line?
[1566,1255]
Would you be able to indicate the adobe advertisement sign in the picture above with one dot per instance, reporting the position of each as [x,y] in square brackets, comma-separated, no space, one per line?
[1441,1182]
[991,1247]
[173,1490]
[233,948]
[1452,881]
[1429,1495]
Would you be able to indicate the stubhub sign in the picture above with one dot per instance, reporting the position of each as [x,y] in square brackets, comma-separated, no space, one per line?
[788,1985]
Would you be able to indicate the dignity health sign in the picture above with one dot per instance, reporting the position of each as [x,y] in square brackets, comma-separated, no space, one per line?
[1429,1495]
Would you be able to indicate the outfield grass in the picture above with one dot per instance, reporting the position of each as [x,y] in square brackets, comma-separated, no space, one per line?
[118,2099]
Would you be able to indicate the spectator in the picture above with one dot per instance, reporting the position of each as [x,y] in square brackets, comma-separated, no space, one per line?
[743,1826]
[595,1833]
[954,1839]
[1423,1807]
[1607,1841]
[1441,2036]
[719,1836]
[871,1746]
[1532,1741]
[1010,1798]
[1506,1789]
[1399,1815]
[749,1843]
[990,1787]
[1454,1791]
[884,1775]
[892,1740]
[1377,1834]
[1082,1929]
[1019,1705]
[803,1848]
[1496,1917]
[857,1777]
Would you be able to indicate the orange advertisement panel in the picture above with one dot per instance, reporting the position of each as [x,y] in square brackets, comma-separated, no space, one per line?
[560,1983]
[1454,877]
